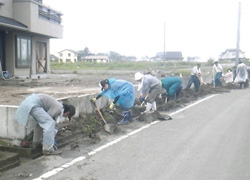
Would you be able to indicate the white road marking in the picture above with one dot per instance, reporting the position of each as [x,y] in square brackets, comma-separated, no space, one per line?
[81,158]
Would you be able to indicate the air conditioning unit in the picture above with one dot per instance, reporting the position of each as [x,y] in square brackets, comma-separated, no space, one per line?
[2,2]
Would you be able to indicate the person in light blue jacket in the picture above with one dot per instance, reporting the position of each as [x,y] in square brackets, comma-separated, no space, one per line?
[122,93]
[173,86]
[45,110]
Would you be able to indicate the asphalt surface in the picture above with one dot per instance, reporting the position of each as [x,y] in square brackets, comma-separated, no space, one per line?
[208,140]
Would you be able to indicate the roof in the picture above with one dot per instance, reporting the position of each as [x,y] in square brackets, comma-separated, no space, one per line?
[170,55]
[8,22]
[69,50]
[173,55]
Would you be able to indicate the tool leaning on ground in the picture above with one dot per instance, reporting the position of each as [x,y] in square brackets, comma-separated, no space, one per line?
[110,128]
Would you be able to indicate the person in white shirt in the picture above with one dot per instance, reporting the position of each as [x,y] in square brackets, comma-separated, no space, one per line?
[195,78]
[217,69]
[228,77]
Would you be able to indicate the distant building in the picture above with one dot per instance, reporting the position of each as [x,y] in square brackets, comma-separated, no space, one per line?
[230,55]
[194,59]
[170,56]
[98,59]
[67,56]
[54,58]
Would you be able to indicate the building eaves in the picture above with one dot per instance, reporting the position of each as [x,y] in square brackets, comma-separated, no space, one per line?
[70,50]
[11,23]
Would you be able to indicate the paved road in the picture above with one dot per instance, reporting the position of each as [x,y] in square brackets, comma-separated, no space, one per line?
[209,140]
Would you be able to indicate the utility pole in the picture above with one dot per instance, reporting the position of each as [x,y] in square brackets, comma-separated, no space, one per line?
[164,55]
[238,37]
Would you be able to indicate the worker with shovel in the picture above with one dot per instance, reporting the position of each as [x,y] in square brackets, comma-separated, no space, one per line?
[150,87]
[195,78]
[173,86]
[217,69]
[46,111]
[122,93]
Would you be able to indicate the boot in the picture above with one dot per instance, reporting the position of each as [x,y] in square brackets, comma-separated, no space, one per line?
[154,106]
[148,108]
[126,117]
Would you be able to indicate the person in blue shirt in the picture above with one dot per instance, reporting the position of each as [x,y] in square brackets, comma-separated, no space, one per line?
[122,93]
[173,86]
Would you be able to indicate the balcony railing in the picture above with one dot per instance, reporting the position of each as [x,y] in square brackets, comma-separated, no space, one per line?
[49,14]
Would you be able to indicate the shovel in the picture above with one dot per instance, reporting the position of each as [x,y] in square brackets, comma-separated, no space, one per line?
[110,128]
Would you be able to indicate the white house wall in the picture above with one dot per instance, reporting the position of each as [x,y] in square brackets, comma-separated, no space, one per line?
[7,11]
[65,56]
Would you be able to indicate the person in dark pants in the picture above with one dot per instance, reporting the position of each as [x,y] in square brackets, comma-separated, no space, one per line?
[150,87]
[173,87]
[194,78]
[217,69]
[241,75]
[122,93]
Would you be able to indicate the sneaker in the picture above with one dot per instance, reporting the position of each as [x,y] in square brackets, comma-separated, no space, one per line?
[55,152]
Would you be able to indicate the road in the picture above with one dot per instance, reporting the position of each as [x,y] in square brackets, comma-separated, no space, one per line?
[208,140]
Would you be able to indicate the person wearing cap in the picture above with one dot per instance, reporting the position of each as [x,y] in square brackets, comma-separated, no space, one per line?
[46,111]
[195,78]
[122,93]
[173,86]
[217,69]
[150,87]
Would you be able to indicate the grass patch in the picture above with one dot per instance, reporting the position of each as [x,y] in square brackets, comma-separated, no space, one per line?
[121,65]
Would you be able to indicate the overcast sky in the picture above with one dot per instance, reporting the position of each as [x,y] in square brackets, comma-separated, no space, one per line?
[203,28]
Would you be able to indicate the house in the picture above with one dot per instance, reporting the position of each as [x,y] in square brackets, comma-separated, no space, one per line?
[230,55]
[98,59]
[26,27]
[170,56]
[68,55]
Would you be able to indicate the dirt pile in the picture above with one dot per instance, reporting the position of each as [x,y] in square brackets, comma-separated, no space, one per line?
[92,123]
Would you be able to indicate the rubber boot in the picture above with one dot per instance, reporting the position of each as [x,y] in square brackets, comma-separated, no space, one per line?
[154,106]
[126,118]
[148,108]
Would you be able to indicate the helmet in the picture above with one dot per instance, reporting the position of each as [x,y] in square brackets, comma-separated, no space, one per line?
[138,76]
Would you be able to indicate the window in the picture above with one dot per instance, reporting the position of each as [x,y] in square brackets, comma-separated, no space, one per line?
[69,54]
[23,51]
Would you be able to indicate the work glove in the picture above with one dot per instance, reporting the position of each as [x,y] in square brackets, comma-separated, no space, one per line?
[111,106]
[93,100]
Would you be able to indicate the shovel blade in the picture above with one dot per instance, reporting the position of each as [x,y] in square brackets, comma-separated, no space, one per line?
[110,128]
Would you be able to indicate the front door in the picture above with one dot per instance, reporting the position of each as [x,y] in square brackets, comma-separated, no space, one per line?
[41,57]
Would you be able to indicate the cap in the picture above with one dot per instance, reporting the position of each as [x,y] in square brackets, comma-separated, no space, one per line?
[103,82]
[138,76]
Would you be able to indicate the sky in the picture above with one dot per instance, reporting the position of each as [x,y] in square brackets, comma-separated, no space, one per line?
[203,28]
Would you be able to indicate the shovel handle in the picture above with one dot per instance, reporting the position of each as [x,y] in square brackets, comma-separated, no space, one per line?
[99,112]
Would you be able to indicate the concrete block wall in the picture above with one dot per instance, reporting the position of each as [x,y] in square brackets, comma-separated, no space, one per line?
[11,129]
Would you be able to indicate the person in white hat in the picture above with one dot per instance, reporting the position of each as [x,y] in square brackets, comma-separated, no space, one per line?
[149,87]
